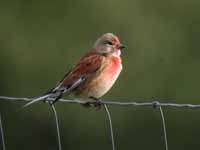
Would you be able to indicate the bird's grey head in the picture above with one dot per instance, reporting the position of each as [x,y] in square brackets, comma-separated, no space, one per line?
[107,44]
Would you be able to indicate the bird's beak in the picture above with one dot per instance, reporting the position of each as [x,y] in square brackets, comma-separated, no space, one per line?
[121,46]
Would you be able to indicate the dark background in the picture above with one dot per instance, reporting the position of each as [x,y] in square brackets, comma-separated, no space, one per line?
[40,40]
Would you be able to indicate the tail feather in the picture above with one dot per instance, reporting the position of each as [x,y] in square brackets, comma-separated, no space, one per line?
[37,100]
[56,92]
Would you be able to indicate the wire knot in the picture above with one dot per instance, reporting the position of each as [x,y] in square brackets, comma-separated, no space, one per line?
[156,104]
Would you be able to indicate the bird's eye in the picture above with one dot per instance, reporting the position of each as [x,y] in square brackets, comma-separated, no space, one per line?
[109,43]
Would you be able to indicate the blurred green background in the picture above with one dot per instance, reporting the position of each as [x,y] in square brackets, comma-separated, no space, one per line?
[40,40]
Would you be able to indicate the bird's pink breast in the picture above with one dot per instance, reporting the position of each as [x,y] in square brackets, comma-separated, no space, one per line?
[114,67]
[107,78]
[103,81]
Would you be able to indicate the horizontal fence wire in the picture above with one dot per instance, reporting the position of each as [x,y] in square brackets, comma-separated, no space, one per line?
[152,103]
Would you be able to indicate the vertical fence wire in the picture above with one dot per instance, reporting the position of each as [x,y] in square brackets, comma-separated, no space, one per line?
[57,126]
[110,126]
[2,134]
[164,127]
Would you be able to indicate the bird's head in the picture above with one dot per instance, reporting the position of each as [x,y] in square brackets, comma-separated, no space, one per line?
[108,44]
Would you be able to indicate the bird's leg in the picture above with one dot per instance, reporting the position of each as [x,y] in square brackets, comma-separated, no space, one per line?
[87,104]
[98,103]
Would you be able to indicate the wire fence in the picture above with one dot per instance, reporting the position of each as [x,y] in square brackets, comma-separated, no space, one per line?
[2,135]
[154,104]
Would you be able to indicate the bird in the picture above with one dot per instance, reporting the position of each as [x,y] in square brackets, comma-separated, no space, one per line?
[94,73]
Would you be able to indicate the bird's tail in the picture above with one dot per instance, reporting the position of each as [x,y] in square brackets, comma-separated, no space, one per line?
[56,92]
[37,99]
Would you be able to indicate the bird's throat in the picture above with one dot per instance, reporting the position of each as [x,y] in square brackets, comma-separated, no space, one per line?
[116,64]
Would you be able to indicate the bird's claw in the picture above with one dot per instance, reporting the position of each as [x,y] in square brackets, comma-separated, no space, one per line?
[97,103]
[86,104]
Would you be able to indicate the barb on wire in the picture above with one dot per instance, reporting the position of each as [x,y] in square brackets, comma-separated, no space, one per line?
[2,135]
[57,126]
[164,127]
[110,126]
[153,103]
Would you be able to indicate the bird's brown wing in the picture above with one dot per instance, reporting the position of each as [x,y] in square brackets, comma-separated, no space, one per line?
[87,66]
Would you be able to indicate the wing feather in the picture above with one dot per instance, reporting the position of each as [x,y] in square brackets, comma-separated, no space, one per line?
[87,66]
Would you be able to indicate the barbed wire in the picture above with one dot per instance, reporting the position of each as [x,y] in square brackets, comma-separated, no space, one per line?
[154,104]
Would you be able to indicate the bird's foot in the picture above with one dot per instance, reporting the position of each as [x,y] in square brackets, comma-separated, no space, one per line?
[97,103]
[87,104]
